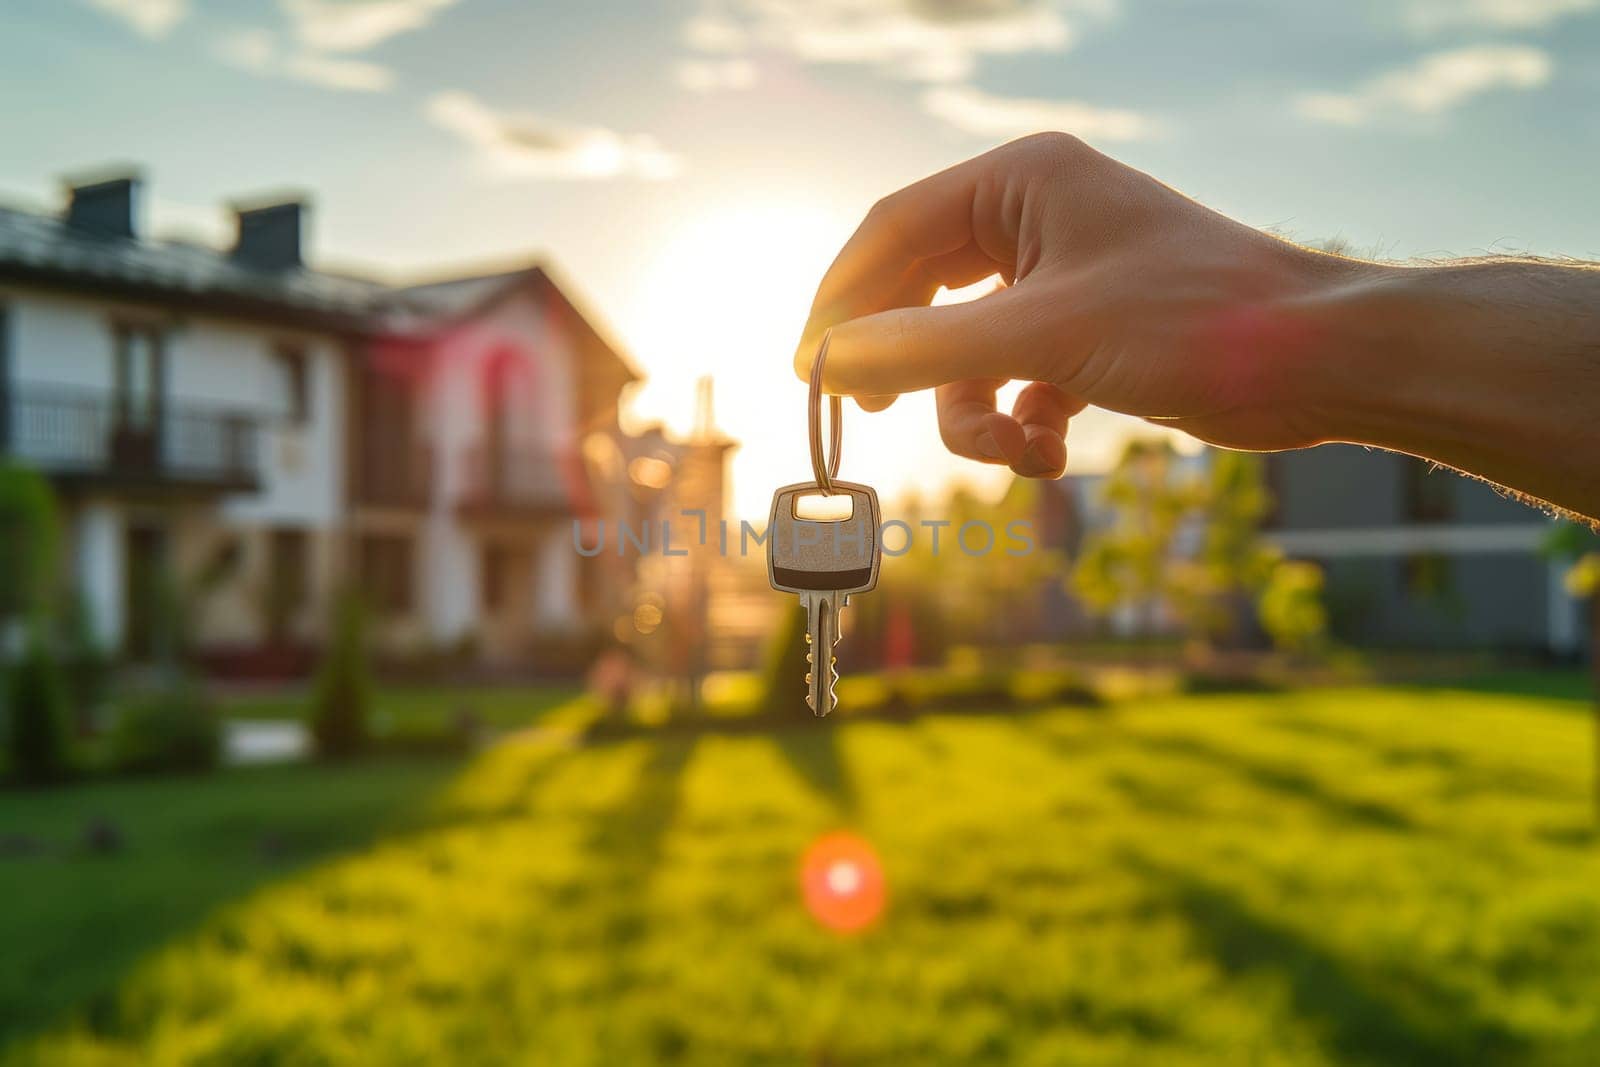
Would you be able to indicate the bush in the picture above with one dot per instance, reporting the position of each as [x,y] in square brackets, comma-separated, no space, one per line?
[342,699]
[86,664]
[172,729]
[38,733]
[30,543]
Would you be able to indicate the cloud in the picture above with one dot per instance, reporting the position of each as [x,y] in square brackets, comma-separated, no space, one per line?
[710,75]
[1008,117]
[1434,84]
[356,25]
[1432,15]
[259,52]
[523,146]
[922,40]
[149,18]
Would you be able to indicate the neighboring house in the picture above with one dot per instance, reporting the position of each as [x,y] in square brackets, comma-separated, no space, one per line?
[1417,556]
[285,429]
[474,408]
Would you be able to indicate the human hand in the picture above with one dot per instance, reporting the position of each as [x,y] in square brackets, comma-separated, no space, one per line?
[1120,292]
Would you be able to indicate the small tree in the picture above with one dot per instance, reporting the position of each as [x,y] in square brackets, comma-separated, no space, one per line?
[37,716]
[1135,561]
[342,699]
[1291,608]
[30,546]
[37,733]
[1192,544]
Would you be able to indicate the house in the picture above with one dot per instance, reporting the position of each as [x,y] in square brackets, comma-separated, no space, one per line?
[1414,556]
[473,407]
[1421,556]
[284,431]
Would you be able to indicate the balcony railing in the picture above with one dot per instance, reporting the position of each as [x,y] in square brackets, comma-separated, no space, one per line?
[86,434]
[521,481]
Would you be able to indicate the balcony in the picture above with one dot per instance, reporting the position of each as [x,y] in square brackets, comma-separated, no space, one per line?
[84,436]
[522,483]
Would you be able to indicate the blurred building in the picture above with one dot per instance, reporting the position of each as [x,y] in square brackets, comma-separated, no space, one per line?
[239,414]
[1417,556]
[1414,556]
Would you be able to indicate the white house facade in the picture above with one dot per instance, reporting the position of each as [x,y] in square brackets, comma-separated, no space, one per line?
[257,434]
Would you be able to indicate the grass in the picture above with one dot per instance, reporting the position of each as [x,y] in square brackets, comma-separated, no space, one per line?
[74,920]
[1341,876]
[420,708]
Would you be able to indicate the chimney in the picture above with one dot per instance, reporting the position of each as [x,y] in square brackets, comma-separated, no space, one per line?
[105,207]
[269,235]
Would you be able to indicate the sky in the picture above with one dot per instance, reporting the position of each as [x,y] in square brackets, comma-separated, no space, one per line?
[690,167]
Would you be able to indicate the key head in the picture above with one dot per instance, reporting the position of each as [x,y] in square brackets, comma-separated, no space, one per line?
[837,554]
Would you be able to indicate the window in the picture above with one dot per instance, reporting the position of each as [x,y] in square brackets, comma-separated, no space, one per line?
[294,383]
[1429,492]
[385,567]
[138,375]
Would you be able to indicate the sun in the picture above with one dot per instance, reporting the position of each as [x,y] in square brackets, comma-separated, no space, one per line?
[726,294]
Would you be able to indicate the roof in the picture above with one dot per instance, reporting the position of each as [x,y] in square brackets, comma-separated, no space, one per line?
[449,299]
[45,248]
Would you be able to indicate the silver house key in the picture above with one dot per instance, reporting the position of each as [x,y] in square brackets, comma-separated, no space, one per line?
[823,559]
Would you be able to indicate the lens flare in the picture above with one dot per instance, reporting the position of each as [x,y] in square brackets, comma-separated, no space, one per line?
[843,883]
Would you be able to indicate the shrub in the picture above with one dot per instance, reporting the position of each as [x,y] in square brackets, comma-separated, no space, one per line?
[86,663]
[30,543]
[38,733]
[172,729]
[342,699]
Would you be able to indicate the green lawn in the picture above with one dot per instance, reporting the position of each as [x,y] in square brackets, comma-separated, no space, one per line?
[420,708]
[73,920]
[1367,876]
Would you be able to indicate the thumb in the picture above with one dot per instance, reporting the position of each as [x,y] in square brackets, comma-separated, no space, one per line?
[907,349]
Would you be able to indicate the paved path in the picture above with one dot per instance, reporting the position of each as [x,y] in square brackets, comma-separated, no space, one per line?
[247,741]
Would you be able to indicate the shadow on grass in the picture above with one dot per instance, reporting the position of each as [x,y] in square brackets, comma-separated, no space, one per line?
[628,839]
[1270,776]
[1411,1024]
[812,751]
[74,922]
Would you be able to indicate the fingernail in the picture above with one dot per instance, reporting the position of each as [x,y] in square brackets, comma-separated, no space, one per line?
[987,448]
[1033,463]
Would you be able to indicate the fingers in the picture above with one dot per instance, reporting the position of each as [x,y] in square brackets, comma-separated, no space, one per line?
[971,427]
[1042,410]
[1031,440]
[900,351]
[914,285]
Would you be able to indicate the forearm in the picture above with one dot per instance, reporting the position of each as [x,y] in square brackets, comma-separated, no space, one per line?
[1491,367]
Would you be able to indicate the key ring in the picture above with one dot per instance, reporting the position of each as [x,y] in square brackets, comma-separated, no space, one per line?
[825,472]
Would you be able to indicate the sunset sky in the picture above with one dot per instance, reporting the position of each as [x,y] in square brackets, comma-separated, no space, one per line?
[692,166]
